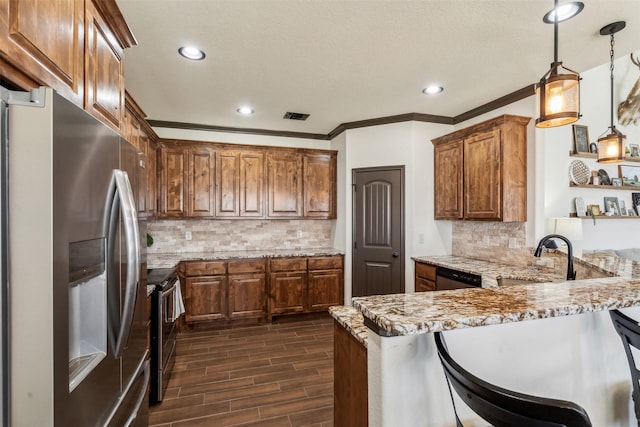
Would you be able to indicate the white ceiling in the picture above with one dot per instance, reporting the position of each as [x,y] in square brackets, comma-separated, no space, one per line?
[349,60]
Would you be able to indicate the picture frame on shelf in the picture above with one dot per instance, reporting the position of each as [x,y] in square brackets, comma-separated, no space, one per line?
[630,175]
[623,208]
[593,210]
[616,182]
[635,201]
[634,150]
[581,139]
[612,206]
[593,148]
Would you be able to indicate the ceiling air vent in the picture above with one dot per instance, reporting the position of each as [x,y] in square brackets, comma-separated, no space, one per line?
[295,116]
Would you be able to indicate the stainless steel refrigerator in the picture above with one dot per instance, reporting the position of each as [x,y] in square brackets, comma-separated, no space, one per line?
[76,341]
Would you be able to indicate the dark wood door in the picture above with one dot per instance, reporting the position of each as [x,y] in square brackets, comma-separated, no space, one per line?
[378,231]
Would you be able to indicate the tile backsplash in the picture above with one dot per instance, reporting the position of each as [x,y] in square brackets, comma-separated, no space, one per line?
[505,242]
[238,235]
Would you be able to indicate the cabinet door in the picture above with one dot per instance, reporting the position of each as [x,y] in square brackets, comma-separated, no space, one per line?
[482,176]
[447,180]
[227,183]
[424,285]
[201,186]
[205,298]
[247,296]
[287,292]
[325,289]
[104,94]
[152,179]
[284,173]
[319,186]
[251,184]
[172,182]
[45,40]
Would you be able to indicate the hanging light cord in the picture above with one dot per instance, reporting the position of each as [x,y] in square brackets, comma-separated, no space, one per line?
[555,33]
[611,70]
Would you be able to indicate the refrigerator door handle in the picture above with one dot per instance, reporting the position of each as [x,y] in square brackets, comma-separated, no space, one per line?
[124,202]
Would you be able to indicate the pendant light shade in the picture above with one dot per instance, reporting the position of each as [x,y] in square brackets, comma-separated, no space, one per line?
[611,147]
[558,98]
[558,94]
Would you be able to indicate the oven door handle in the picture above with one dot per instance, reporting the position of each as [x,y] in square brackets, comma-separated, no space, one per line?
[172,289]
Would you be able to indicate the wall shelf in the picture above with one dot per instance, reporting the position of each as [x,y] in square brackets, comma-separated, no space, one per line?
[595,156]
[610,217]
[605,187]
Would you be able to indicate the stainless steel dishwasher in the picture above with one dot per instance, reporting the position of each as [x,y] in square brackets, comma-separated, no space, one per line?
[447,278]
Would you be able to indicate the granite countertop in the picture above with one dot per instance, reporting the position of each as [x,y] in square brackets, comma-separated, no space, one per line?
[491,271]
[171,260]
[352,320]
[552,296]
[407,314]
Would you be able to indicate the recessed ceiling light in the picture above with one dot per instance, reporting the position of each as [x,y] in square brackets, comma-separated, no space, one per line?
[432,90]
[192,53]
[565,11]
[245,111]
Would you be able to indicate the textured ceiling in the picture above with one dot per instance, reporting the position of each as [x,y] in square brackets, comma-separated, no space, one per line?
[350,60]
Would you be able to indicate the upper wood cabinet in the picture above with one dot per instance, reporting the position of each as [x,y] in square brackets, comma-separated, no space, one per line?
[171,197]
[104,96]
[74,46]
[284,184]
[152,178]
[226,181]
[45,41]
[319,185]
[200,184]
[448,180]
[239,183]
[480,172]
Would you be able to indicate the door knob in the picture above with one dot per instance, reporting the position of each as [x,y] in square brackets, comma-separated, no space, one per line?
[395,254]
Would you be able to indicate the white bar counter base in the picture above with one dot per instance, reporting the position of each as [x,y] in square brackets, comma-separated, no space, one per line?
[552,340]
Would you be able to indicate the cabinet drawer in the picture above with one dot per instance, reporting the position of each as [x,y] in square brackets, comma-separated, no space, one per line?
[205,268]
[425,270]
[246,266]
[325,262]
[288,264]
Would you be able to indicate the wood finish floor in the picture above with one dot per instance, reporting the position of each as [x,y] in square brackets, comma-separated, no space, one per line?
[278,374]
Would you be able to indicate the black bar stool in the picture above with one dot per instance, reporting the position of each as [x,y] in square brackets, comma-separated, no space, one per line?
[629,332]
[507,408]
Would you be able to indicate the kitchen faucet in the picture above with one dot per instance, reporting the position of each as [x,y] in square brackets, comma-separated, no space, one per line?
[547,241]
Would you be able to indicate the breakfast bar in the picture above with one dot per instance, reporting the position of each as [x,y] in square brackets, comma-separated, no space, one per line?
[548,339]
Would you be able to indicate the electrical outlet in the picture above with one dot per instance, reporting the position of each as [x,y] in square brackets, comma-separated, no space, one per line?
[299,234]
[187,235]
[421,238]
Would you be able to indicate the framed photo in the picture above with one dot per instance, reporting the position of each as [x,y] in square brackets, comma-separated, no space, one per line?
[616,182]
[630,175]
[580,139]
[623,208]
[593,210]
[635,150]
[593,148]
[612,206]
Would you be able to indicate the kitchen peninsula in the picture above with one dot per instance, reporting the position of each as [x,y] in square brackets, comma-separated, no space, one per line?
[569,352]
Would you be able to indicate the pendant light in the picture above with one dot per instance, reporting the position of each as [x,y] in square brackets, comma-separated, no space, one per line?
[611,146]
[558,94]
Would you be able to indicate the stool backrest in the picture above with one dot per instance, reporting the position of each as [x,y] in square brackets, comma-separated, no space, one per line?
[507,408]
[629,332]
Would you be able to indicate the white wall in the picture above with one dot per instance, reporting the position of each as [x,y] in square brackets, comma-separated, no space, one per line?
[557,142]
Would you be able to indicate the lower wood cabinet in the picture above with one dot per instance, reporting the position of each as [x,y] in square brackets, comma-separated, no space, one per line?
[224,290]
[230,290]
[350,399]
[304,285]
[425,277]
